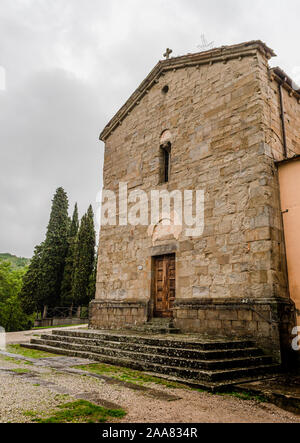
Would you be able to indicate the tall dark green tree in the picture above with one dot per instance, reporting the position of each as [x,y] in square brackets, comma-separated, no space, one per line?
[30,295]
[92,283]
[66,286]
[84,260]
[55,250]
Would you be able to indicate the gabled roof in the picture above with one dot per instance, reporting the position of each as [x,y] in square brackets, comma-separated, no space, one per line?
[222,54]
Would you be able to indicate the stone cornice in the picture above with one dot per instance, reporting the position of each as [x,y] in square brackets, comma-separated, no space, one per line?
[281,77]
[296,157]
[218,55]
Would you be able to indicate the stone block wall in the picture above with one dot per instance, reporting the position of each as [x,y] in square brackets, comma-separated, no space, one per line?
[270,99]
[221,123]
[110,315]
[214,114]
[268,322]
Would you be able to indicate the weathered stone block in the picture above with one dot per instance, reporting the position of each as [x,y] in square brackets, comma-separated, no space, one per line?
[226,326]
[245,315]
[181,314]
[228,315]
[253,326]
[215,325]
[224,260]
[212,315]
[263,327]
[192,313]
[258,234]
[238,325]
[201,314]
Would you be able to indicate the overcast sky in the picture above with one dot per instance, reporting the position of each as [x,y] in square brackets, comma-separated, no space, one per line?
[70,65]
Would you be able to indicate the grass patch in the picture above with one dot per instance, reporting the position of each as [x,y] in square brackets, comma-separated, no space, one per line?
[80,411]
[138,377]
[243,395]
[20,371]
[16,361]
[128,375]
[12,360]
[30,353]
[30,414]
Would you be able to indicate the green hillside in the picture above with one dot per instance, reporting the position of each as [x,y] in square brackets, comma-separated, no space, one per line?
[16,262]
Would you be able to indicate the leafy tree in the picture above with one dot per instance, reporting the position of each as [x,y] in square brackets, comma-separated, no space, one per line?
[84,259]
[54,250]
[12,316]
[31,296]
[66,287]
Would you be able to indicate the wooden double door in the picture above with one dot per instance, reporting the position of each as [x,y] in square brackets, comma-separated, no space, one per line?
[164,285]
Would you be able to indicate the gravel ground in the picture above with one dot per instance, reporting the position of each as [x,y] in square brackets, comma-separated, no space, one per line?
[26,336]
[18,395]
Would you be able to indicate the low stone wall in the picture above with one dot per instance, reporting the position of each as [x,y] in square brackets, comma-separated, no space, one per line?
[115,314]
[59,321]
[269,322]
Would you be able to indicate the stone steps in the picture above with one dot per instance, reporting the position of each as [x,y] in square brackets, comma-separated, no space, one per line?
[183,373]
[162,359]
[159,330]
[157,326]
[180,342]
[204,362]
[163,350]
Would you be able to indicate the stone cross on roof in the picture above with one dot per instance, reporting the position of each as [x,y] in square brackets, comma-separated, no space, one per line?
[167,53]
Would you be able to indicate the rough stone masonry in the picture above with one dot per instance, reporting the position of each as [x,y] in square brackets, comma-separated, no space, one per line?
[219,112]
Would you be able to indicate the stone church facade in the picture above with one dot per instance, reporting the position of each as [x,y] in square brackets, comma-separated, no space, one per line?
[224,122]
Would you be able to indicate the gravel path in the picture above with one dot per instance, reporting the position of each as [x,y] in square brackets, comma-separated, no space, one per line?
[26,336]
[19,393]
[17,396]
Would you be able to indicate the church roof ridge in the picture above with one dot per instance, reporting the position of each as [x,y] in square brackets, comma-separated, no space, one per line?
[220,54]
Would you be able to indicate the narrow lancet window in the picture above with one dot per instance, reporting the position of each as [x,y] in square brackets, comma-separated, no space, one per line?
[165,162]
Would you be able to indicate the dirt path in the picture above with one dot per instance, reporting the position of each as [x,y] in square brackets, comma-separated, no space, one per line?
[26,336]
[46,383]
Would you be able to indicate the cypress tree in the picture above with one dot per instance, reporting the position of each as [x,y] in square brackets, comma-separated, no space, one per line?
[30,294]
[84,259]
[66,286]
[54,250]
[92,283]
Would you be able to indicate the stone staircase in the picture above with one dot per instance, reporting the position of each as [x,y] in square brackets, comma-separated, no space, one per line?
[211,364]
[157,326]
